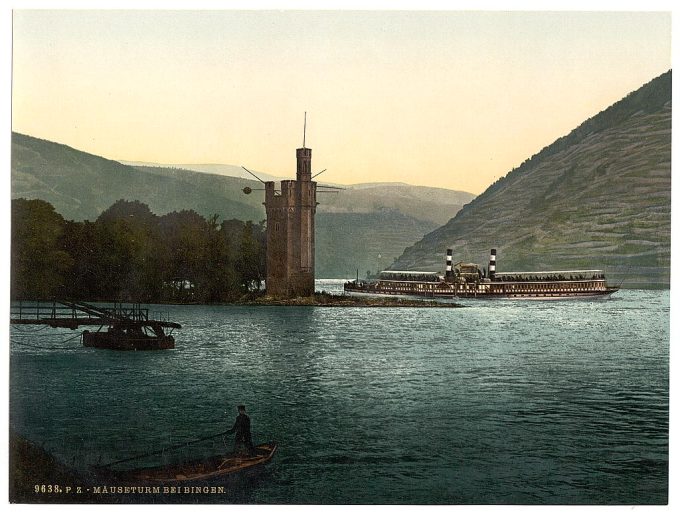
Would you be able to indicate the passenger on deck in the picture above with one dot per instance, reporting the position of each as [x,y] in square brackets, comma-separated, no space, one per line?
[243,444]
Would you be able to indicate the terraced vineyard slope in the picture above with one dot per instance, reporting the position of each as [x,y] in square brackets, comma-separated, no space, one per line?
[597,198]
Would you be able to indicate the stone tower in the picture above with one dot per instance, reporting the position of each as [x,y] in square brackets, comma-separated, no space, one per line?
[290,231]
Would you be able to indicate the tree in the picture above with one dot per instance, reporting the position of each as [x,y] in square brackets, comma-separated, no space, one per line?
[129,248]
[39,261]
[130,254]
[249,261]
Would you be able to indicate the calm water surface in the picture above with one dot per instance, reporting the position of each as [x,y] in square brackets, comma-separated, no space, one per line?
[561,402]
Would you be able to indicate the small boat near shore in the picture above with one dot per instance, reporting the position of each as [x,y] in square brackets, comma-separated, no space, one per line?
[467,280]
[213,469]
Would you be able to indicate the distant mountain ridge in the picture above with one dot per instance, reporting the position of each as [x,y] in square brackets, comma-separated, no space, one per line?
[209,168]
[598,197]
[376,222]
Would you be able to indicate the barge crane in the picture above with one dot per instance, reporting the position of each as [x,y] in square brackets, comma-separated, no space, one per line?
[128,327]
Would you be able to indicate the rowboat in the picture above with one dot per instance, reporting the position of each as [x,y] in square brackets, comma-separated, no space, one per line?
[215,468]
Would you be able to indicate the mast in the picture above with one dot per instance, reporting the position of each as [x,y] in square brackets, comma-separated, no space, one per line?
[304,131]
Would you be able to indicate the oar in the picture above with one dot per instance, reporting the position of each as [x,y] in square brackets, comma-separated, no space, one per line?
[160,451]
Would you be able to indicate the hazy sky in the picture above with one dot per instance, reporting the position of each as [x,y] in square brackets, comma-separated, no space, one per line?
[450,99]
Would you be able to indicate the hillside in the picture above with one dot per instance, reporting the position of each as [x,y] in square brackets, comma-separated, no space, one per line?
[347,242]
[81,185]
[364,227]
[436,205]
[596,198]
[227,188]
[220,169]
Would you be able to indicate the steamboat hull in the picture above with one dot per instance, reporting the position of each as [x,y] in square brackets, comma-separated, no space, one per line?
[484,291]
[543,296]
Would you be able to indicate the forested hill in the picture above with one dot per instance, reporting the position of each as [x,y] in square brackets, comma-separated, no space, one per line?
[597,198]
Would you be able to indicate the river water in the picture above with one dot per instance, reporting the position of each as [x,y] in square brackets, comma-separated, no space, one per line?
[499,402]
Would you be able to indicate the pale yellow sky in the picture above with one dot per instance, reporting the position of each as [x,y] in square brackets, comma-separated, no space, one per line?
[449,99]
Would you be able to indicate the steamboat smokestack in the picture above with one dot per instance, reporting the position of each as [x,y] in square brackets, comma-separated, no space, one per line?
[492,264]
[449,264]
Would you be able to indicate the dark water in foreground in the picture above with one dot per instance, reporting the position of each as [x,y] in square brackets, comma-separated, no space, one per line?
[509,402]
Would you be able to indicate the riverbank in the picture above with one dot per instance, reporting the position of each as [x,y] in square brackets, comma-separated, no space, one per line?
[35,476]
[324,299]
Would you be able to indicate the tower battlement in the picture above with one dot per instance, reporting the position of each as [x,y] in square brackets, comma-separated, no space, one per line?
[304,164]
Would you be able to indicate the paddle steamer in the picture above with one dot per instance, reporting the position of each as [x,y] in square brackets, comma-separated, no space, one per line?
[466,280]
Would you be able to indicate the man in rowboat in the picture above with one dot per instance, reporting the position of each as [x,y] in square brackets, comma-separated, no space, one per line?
[243,444]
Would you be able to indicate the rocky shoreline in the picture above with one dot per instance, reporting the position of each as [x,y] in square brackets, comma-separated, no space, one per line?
[324,299]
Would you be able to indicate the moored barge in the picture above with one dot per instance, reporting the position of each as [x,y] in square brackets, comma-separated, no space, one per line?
[466,280]
[129,336]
